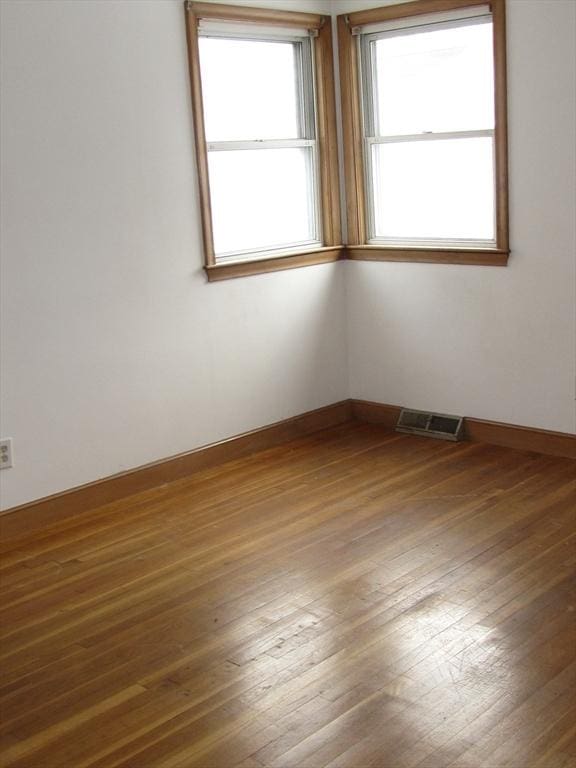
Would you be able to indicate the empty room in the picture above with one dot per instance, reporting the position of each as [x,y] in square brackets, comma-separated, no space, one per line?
[288,384]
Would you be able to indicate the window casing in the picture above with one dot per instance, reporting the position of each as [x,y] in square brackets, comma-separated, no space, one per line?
[285,152]
[430,184]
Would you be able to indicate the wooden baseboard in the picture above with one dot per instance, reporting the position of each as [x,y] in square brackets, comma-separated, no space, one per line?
[46,511]
[479,430]
[52,509]
[375,413]
[522,438]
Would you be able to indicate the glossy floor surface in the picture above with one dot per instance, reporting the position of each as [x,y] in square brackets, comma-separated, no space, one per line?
[355,598]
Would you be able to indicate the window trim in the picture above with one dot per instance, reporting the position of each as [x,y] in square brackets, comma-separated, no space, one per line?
[354,163]
[327,150]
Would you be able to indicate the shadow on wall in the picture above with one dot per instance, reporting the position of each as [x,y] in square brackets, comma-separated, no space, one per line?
[281,350]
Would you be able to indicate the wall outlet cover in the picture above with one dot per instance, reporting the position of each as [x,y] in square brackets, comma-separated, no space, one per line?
[6,453]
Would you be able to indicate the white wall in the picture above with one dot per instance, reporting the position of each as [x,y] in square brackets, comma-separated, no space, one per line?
[115,350]
[493,343]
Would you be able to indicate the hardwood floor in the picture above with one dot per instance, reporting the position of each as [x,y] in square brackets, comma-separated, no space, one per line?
[354,598]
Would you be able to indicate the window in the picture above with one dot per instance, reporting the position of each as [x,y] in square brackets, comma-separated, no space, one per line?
[424,103]
[423,88]
[262,86]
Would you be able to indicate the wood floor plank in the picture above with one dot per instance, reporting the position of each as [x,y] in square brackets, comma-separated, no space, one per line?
[354,598]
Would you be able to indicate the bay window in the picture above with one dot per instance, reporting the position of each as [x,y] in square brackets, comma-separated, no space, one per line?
[424,135]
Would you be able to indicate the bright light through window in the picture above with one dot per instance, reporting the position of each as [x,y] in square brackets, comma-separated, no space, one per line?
[249,89]
[448,182]
[435,81]
[429,134]
[260,198]
[260,133]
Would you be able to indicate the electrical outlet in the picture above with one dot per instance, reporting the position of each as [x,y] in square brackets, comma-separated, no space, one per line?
[6,453]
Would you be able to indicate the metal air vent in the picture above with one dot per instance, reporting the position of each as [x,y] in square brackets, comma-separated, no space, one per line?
[438,425]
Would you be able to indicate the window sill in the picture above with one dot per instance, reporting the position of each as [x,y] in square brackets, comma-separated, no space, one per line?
[481,257]
[295,260]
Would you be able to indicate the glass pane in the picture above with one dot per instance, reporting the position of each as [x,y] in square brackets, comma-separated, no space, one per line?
[261,198]
[436,189]
[433,81]
[249,89]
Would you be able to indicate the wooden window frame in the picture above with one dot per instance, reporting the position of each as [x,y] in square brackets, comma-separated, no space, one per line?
[354,173]
[328,178]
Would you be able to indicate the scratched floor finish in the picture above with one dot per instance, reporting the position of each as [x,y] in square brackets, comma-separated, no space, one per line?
[354,598]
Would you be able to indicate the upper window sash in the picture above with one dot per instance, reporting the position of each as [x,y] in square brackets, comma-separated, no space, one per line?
[367,48]
[301,42]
